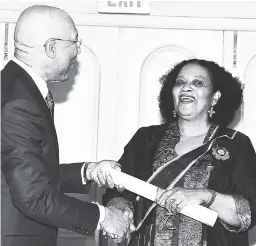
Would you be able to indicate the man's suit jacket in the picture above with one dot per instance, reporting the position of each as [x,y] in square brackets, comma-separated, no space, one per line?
[33,182]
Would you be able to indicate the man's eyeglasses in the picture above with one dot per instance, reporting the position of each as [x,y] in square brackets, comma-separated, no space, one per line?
[78,42]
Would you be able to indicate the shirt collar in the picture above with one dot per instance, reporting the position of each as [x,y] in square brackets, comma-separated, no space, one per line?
[40,83]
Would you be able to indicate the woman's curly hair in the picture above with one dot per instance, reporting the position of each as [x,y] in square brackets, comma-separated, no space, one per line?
[230,88]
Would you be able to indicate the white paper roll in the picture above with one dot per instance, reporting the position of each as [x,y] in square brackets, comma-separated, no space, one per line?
[149,191]
[200,213]
[134,185]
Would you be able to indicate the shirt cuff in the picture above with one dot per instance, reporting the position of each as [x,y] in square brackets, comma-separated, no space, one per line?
[102,215]
[84,180]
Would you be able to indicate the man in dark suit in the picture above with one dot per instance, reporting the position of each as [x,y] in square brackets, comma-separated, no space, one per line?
[34,205]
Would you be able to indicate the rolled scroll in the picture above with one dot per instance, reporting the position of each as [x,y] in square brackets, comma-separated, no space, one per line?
[149,191]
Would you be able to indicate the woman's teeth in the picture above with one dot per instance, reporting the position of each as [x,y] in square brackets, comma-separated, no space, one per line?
[187,99]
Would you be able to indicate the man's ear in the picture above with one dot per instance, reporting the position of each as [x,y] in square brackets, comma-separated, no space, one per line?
[50,48]
[215,98]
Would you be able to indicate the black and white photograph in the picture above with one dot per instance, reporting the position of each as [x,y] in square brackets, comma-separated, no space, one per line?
[128,123]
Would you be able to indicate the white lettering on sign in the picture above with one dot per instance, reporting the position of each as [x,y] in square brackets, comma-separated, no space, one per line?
[127,7]
[129,4]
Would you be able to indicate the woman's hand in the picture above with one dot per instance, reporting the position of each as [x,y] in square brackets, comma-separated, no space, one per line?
[127,216]
[176,199]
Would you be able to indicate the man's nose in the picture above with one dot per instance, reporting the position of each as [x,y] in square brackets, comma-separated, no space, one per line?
[78,50]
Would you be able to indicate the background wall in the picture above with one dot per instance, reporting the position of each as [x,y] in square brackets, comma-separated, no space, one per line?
[123,57]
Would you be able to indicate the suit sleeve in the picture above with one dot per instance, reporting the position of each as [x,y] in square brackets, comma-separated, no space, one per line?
[70,180]
[32,191]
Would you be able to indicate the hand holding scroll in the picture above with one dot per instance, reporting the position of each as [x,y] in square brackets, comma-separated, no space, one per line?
[174,200]
[149,191]
[99,172]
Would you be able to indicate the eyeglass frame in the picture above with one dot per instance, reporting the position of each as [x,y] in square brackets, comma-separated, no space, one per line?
[78,42]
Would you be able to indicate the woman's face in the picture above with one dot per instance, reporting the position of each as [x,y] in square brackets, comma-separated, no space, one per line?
[192,92]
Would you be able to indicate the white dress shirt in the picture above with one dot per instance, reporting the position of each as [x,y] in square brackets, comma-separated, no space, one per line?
[42,86]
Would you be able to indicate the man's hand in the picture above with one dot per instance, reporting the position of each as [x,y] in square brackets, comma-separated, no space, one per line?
[118,224]
[99,172]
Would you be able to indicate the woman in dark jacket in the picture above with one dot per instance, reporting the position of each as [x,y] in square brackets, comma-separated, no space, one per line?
[198,99]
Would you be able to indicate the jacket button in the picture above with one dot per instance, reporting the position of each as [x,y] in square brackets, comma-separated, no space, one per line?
[85,231]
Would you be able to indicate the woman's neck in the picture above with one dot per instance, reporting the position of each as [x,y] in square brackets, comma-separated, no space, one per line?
[193,128]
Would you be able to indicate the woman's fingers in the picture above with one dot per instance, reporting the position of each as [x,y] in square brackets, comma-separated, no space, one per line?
[165,194]
[180,206]
[128,216]
[175,201]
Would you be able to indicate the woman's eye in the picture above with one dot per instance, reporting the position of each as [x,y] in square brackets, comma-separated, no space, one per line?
[198,83]
[180,82]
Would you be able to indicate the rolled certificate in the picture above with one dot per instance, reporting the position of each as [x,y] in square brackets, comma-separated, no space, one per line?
[149,191]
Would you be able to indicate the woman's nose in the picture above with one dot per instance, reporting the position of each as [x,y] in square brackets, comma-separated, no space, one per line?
[187,87]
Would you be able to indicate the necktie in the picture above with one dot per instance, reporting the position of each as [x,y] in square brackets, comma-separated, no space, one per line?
[50,102]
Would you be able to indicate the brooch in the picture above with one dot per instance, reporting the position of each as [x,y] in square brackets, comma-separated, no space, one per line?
[220,153]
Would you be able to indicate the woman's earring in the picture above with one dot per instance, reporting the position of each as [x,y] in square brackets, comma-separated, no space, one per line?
[211,111]
[174,113]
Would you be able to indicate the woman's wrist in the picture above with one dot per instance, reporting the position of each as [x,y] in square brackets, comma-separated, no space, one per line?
[208,198]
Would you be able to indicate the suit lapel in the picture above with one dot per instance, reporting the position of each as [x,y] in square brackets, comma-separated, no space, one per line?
[36,94]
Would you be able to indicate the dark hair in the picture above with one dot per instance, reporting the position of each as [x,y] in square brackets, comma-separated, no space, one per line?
[230,88]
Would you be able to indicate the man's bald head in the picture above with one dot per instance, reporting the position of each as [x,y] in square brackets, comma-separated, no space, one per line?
[46,40]
[38,23]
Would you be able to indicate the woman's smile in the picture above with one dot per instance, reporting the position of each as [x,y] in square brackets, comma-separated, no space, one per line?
[186,99]
[192,92]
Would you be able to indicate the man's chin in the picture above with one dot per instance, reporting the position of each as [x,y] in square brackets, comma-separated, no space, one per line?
[69,75]
[65,79]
